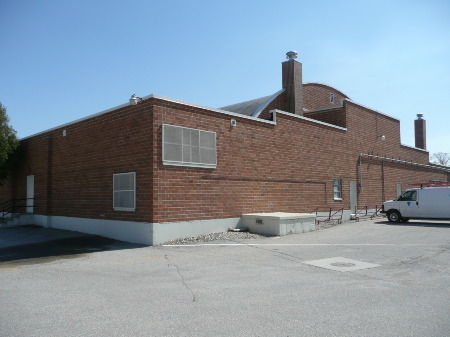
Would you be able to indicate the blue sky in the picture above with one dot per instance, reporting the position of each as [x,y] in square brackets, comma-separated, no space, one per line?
[65,60]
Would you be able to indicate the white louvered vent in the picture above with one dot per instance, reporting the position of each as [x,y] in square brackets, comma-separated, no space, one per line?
[188,147]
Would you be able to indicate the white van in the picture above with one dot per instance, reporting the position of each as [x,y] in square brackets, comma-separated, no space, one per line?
[419,203]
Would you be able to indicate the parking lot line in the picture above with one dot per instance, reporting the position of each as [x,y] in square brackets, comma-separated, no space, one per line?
[302,244]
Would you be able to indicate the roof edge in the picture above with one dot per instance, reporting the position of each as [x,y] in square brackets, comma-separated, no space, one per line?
[275,111]
[414,148]
[266,103]
[326,85]
[365,107]
[167,99]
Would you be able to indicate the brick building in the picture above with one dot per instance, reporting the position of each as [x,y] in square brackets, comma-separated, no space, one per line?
[157,168]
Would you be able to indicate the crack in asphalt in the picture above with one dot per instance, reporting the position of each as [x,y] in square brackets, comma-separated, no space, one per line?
[297,259]
[169,264]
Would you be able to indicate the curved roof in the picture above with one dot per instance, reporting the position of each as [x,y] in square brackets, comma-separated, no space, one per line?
[326,85]
[247,108]
[254,107]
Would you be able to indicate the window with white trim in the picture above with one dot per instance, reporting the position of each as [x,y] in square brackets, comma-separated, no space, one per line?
[124,191]
[337,189]
[331,98]
[188,147]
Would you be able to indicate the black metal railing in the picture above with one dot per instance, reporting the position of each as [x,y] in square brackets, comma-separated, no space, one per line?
[367,211]
[15,206]
[327,214]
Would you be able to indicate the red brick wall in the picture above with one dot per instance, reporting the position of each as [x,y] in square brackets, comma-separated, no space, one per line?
[336,116]
[277,103]
[261,167]
[82,163]
[288,167]
[317,96]
[6,190]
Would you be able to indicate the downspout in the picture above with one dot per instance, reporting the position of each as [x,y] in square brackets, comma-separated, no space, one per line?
[360,173]
[382,181]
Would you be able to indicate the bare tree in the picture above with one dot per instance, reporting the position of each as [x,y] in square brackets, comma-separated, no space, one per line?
[441,158]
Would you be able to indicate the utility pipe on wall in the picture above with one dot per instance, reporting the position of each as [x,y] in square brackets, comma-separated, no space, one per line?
[404,162]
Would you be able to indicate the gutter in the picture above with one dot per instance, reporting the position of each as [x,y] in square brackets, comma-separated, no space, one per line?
[398,161]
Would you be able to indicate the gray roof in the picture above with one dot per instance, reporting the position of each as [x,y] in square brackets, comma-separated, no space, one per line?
[247,108]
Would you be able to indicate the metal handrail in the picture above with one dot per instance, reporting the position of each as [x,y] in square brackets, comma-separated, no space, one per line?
[364,211]
[333,214]
[13,205]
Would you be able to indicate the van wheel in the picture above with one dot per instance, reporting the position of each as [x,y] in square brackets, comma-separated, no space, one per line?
[394,216]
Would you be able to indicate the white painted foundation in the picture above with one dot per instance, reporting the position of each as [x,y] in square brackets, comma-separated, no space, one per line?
[130,231]
[157,233]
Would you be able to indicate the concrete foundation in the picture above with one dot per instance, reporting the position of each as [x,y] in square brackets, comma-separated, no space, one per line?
[279,223]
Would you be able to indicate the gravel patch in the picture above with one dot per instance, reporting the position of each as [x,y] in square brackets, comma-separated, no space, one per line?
[227,236]
[234,236]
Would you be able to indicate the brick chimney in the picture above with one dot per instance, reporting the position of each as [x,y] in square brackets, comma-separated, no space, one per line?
[292,83]
[420,131]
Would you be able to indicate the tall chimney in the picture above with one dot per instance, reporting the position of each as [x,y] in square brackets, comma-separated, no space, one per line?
[292,83]
[420,131]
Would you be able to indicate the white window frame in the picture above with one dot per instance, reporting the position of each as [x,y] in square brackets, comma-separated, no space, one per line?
[133,208]
[337,183]
[189,163]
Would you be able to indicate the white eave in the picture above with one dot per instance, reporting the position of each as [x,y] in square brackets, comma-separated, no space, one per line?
[414,148]
[156,97]
[274,112]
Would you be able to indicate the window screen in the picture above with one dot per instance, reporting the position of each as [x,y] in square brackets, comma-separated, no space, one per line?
[188,147]
[337,189]
[124,191]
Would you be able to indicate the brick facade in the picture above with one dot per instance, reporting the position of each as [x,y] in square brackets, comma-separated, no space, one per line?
[279,162]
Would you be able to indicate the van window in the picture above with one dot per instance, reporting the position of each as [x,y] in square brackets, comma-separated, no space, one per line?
[408,196]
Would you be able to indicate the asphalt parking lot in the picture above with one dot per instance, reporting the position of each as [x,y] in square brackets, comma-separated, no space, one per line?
[369,278]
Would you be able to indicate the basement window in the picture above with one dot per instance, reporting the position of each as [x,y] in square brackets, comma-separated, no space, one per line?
[124,191]
[188,147]
[337,189]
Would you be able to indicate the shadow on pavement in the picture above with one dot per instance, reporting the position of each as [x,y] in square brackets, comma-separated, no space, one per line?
[61,248]
[418,223]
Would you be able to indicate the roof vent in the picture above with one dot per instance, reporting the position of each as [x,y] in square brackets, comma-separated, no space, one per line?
[419,116]
[291,55]
[135,99]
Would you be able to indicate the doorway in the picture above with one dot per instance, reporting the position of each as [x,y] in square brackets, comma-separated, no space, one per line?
[30,194]
[353,196]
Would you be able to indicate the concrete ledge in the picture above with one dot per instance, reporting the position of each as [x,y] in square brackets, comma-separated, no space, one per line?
[279,223]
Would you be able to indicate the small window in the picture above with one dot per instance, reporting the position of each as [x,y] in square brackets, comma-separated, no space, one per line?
[188,147]
[337,189]
[331,98]
[408,196]
[124,191]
